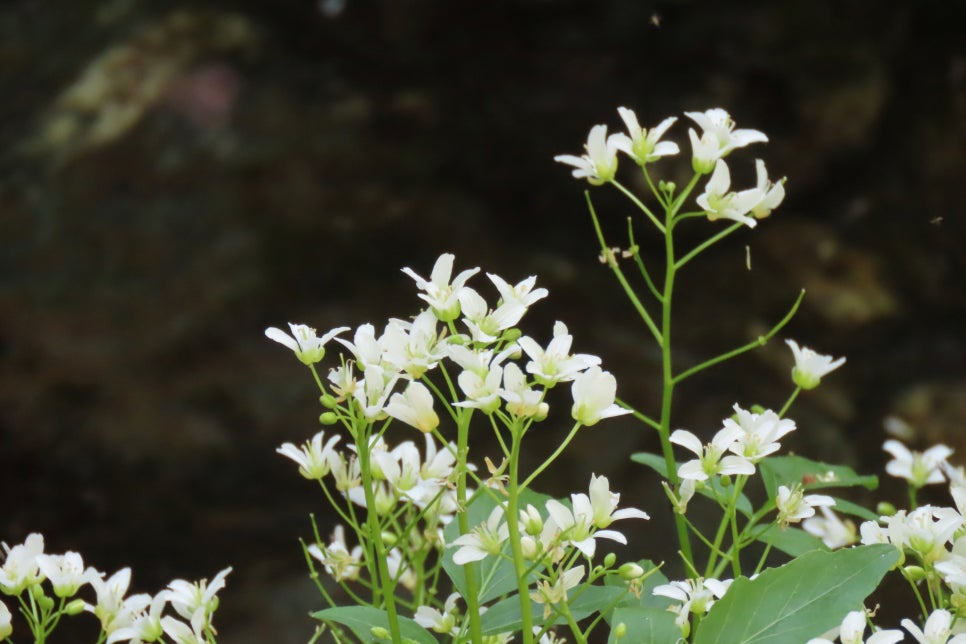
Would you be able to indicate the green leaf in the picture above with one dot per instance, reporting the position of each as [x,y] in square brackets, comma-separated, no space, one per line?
[856,510]
[645,624]
[812,475]
[709,489]
[792,541]
[362,619]
[800,600]
[495,575]
[504,616]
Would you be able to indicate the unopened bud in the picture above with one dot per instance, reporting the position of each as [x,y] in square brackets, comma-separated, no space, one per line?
[328,418]
[328,401]
[885,509]
[512,335]
[620,631]
[75,607]
[914,573]
[630,571]
[610,560]
[379,632]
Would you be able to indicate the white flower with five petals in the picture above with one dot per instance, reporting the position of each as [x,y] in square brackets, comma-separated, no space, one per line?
[720,202]
[919,468]
[710,462]
[718,124]
[644,146]
[308,347]
[594,392]
[810,366]
[441,294]
[599,164]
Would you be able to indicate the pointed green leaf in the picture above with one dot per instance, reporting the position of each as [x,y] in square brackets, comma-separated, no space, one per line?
[812,475]
[799,600]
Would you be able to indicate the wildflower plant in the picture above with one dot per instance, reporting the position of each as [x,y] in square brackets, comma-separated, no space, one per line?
[435,541]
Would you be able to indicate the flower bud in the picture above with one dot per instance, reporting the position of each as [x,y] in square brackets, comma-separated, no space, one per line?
[328,418]
[610,560]
[389,539]
[543,409]
[75,607]
[328,401]
[885,509]
[529,548]
[620,631]
[379,633]
[512,335]
[630,571]
[914,573]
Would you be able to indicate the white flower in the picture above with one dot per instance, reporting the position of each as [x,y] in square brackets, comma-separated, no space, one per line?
[773,193]
[374,391]
[181,633]
[704,151]
[487,325]
[442,295]
[643,145]
[833,532]
[794,505]
[719,202]
[20,569]
[521,292]
[5,622]
[555,364]
[314,459]
[146,625]
[603,504]
[594,392]
[919,468]
[400,570]
[339,562]
[810,367]
[760,433]
[482,390]
[112,609]
[599,164]
[414,407]
[187,598]
[926,531]
[521,400]
[65,572]
[412,347]
[554,594]
[938,629]
[717,123]
[441,622]
[852,631]
[308,347]
[696,596]
[709,462]
[364,346]
[485,539]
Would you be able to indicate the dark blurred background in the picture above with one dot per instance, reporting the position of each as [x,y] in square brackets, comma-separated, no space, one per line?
[176,176]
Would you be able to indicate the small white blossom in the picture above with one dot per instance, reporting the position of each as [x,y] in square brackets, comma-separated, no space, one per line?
[710,462]
[643,145]
[314,459]
[937,630]
[181,633]
[772,193]
[852,631]
[6,620]
[704,151]
[760,433]
[65,572]
[718,124]
[919,468]
[720,202]
[794,505]
[550,595]
[810,367]
[555,363]
[487,325]
[339,562]
[20,569]
[522,400]
[146,625]
[521,292]
[308,347]
[445,622]
[926,531]
[485,539]
[441,294]
[414,407]
[599,164]
[594,392]
[833,531]
[412,347]
[187,598]
[695,596]
[113,609]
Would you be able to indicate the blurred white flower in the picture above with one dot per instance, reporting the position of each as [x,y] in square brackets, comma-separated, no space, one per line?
[308,347]
[556,593]
[583,525]
[341,563]
[594,392]
[522,401]
[794,505]
[146,625]
[599,164]
[852,631]
[937,630]
[704,151]
[445,622]
[833,531]
[810,367]
[441,294]
[487,325]
[521,292]
[414,407]
[20,569]
[485,539]
[65,572]
[695,596]
[643,145]
[113,609]
[919,468]
[6,620]
[187,598]
[772,193]
[412,347]
[719,202]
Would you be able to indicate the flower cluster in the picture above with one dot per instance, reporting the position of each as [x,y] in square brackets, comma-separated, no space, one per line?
[123,617]
[708,151]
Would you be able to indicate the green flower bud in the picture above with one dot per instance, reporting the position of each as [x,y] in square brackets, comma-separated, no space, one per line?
[630,571]
[389,539]
[328,401]
[511,335]
[379,633]
[610,560]
[328,418]
[620,631]
[914,573]
[885,509]
[75,607]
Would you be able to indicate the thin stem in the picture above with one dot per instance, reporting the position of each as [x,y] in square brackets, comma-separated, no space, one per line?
[707,244]
[619,274]
[513,526]
[759,342]
[788,403]
[462,452]
[637,202]
[639,415]
[551,458]
[636,253]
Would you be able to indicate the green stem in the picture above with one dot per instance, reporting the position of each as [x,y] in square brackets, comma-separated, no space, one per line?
[551,458]
[636,251]
[619,274]
[706,244]
[788,403]
[733,521]
[639,415]
[471,598]
[513,525]
[759,342]
[637,202]
[375,537]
